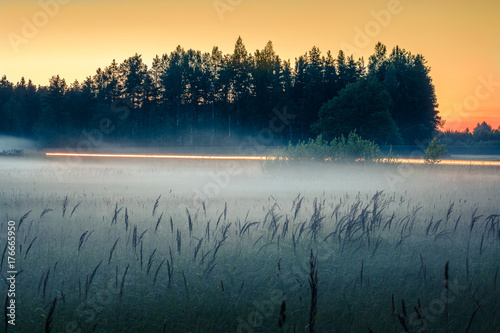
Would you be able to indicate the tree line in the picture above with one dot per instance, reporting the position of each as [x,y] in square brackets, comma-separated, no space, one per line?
[483,135]
[190,98]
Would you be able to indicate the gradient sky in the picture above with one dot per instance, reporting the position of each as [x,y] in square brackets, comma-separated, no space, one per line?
[459,38]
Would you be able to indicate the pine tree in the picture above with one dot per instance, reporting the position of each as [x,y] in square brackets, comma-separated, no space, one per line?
[133,73]
[408,82]
[54,124]
[216,94]
[240,66]
[378,62]
[175,85]
[6,92]
[267,87]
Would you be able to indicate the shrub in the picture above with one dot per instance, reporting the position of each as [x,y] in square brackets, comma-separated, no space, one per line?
[342,149]
[355,148]
[434,152]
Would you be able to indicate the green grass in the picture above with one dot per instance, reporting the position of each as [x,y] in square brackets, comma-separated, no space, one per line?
[255,239]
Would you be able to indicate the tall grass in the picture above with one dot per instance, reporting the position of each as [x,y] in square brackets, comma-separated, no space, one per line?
[341,260]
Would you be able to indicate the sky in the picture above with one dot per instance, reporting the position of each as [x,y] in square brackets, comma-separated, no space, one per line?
[72,38]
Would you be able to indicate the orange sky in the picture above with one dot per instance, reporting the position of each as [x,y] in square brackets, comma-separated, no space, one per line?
[72,38]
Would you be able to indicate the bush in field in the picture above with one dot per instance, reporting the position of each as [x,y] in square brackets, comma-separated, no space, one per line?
[434,152]
[314,149]
[354,148]
[342,149]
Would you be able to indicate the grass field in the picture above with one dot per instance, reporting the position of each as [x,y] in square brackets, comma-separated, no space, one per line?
[218,246]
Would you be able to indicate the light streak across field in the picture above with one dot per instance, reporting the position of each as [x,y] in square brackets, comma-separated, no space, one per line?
[179,157]
[257,158]
[443,162]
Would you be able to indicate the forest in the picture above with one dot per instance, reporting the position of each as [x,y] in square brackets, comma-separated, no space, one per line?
[192,99]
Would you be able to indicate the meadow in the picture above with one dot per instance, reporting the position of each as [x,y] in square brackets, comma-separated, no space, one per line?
[204,246]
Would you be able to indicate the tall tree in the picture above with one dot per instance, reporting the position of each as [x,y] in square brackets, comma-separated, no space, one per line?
[216,95]
[174,82]
[6,92]
[289,121]
[156,122]
[196,91]
[133,73]
[267,87]
[314,87]
[362,107]
[81,104]
[22,109]
[54,125]
[114,84]
[378,62]
[240,66]
[415,105]
[330,77]
[299,97]
[13,118]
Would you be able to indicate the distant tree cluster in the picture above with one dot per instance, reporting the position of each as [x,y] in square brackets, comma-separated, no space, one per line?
[483,135]
[190,98]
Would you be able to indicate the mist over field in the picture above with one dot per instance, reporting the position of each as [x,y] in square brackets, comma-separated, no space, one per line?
[219,181]
[249,166]
[144,245]
[11,142]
